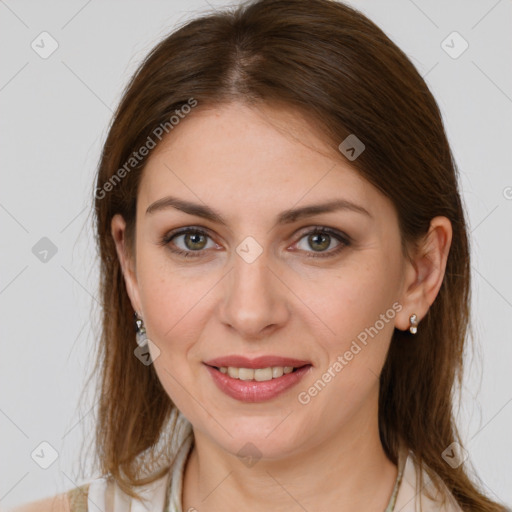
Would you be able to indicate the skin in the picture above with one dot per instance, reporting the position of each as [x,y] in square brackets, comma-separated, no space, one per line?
[250,164]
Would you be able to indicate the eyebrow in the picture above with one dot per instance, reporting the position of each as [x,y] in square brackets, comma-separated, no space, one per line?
[285,217]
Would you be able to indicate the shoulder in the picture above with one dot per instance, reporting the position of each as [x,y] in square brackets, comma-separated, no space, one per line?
[102,494]
[57,503]
[427,499]
[74,500]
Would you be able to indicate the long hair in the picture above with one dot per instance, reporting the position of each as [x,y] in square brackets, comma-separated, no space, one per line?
[335,66]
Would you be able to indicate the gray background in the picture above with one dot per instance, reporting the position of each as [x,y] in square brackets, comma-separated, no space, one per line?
[55,113]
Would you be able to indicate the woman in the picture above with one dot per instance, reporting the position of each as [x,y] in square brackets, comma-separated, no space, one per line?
[285,276]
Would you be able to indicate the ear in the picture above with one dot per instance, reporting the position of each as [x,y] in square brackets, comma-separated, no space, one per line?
[425,272]
[126,259]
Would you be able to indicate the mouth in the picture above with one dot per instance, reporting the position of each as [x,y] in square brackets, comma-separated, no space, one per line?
[257,384]
[257,374]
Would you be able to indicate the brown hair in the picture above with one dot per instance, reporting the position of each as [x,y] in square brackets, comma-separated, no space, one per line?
[329,61]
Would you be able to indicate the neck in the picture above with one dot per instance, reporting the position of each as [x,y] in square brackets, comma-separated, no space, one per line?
[346,472]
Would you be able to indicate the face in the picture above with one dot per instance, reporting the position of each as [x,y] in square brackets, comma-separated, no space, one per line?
[261,284]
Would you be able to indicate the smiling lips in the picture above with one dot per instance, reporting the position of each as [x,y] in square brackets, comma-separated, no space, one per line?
[256,380]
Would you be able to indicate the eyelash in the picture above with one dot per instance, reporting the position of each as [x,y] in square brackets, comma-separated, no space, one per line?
[343,239]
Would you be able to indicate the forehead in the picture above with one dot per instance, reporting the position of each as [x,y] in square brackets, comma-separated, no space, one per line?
[235,156]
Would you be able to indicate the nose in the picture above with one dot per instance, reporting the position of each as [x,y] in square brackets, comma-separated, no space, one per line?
[255,300]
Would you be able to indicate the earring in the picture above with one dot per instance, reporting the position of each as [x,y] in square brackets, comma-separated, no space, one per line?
[413,329]
[140,333]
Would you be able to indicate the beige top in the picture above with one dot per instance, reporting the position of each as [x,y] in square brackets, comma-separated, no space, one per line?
[164,494]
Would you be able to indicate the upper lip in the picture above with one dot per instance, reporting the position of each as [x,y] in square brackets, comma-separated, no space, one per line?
[258,362]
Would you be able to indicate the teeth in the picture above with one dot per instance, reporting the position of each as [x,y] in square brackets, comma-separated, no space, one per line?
[233,372]
[277,371]
[245,373]
[258,374]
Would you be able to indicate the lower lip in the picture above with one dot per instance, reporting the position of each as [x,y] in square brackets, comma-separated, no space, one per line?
[256,391]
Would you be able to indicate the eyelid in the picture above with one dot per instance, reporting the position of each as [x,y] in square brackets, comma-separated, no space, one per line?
[324,229]
[343,239]
[168,236]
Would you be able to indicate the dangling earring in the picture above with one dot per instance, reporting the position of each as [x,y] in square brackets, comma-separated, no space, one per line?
[413,328]
[140,333]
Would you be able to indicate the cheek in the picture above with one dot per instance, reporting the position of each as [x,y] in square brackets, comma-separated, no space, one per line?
[177,305]
[355,297]
[173,303]
[357,307]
